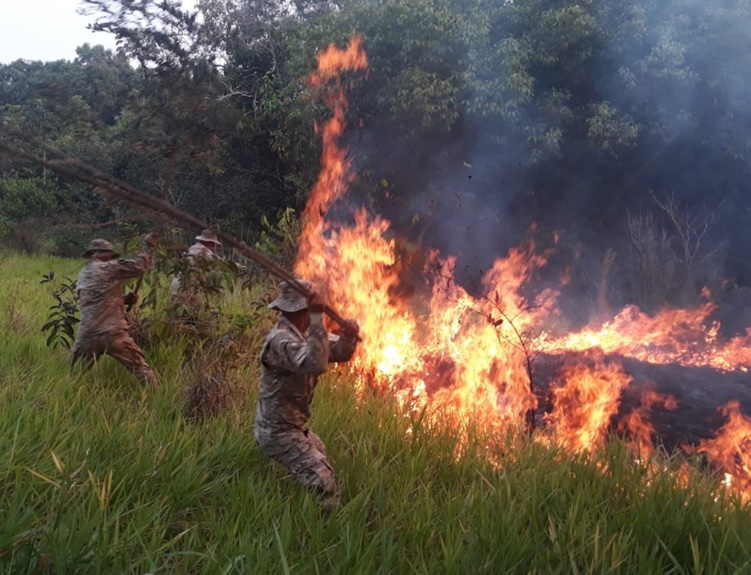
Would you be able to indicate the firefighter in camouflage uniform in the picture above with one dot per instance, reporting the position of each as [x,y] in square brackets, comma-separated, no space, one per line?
[295,352]
[204,250]
[103,328]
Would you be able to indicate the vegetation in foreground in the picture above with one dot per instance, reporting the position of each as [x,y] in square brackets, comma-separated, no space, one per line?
[99,475]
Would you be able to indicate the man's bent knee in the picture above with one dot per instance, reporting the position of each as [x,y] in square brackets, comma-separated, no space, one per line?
[322,476]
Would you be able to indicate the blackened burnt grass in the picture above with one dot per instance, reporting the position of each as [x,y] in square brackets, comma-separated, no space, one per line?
[99,475]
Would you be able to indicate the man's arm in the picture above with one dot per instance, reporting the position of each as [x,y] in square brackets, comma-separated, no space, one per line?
[126,269]
[287,352]
[343,346]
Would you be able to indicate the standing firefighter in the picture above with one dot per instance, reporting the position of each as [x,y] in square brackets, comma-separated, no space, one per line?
[296,351]
[204,250]
[103,328]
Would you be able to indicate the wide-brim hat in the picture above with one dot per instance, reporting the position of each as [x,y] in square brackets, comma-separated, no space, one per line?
[99,246]
[289,299]
[208,236]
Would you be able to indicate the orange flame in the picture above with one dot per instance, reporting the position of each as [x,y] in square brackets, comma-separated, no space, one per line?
[636,424]
[675,335]
[585,401]
[730,450]
[334,174]
[466,357]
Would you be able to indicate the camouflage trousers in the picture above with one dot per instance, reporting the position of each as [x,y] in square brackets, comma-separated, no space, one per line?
[303,454]
[119,345]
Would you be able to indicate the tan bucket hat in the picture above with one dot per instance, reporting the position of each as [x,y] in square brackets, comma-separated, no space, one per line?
[289,299]
[208,236]
[99,246]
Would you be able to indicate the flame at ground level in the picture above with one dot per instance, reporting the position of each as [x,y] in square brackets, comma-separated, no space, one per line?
[464,358]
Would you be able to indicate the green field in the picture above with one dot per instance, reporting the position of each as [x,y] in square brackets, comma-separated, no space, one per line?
[100,475]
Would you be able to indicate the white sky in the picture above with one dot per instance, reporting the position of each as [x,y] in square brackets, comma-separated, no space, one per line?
[46,30]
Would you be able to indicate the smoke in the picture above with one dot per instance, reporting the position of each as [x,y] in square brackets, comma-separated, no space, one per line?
[630,103]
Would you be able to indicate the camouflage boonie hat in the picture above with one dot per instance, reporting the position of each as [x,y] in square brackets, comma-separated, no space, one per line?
[99,246]
[289,299]
[208,236]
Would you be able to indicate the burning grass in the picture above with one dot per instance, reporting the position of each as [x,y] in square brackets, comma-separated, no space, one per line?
[465,356]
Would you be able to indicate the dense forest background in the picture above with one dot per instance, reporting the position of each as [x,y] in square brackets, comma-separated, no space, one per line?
[624,126]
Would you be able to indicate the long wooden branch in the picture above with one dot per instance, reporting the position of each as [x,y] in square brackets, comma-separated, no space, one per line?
[109,186]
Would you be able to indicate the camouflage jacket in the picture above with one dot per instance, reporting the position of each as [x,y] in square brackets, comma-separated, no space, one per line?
[100,292]
[290,365]
[197,252]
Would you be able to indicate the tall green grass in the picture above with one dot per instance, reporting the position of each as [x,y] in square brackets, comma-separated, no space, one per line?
[101,475]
